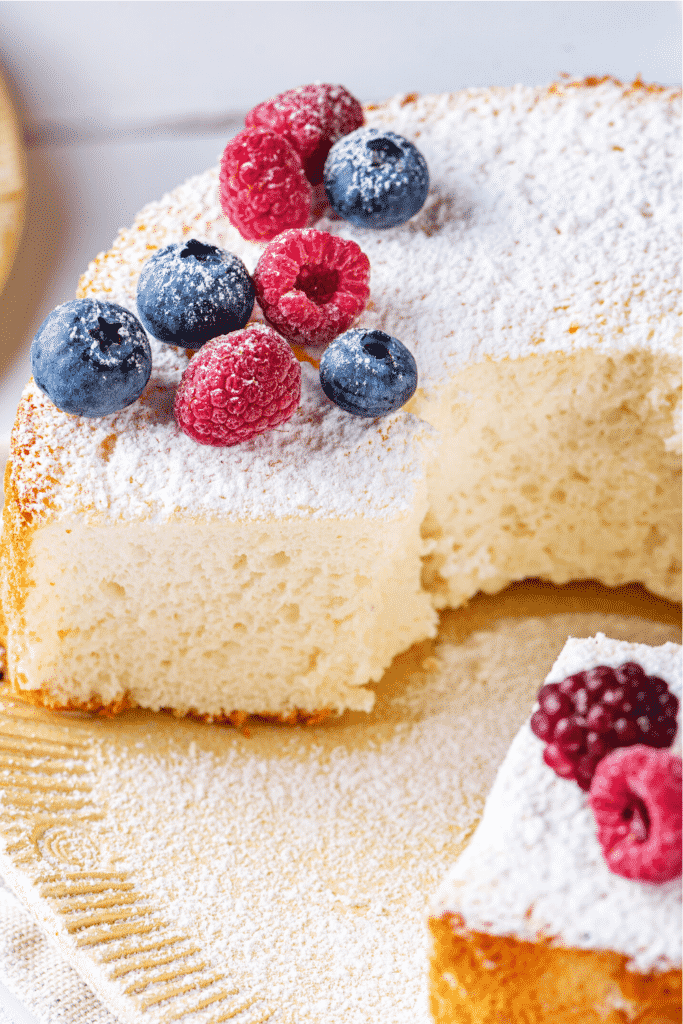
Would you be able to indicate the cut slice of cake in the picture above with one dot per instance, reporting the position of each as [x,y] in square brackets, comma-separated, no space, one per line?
[276,576]
[538,292]
[531,924]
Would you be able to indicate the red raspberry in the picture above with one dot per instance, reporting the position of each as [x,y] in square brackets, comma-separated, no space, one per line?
[591,713]
[311,118]
[263,188]
[636,799]
[238,386]
[312,285]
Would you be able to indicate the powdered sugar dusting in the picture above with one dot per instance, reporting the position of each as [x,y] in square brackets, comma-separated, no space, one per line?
[551,224]
[304,858]
[535,868]
[138,464]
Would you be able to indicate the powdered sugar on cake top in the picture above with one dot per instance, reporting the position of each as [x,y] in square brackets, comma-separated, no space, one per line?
[552,222]
[551,225]
[534,867]
[138,464]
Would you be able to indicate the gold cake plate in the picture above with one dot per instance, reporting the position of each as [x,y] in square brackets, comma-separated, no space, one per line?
[191,873]
[12,183]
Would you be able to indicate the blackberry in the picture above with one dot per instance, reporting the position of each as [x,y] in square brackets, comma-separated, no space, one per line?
[589,714]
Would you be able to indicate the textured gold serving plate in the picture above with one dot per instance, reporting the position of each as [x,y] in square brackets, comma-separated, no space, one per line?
[12,183]
[193,873]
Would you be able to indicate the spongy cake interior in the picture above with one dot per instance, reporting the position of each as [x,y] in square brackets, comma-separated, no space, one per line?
[283,588]
[538,291]
[563,466]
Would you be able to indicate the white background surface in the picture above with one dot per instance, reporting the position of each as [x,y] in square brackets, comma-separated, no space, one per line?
[120,101]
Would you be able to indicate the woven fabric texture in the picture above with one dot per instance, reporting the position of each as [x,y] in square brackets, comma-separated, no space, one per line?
[35,973]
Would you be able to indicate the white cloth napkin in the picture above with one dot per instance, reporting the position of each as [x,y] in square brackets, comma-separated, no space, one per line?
[37,976]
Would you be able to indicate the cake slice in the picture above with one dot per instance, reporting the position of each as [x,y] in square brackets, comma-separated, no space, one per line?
[530,923]
[274,577]
[537,289]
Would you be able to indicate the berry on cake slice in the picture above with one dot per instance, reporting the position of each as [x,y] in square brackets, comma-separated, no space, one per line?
[312,285]
[368,373]
[591,713]
[375,179]
[91,358]
[635,796]
[189,292]
[311,118]
[263,188]
[239,385]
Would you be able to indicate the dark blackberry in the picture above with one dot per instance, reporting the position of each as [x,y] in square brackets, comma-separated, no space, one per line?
[591,713]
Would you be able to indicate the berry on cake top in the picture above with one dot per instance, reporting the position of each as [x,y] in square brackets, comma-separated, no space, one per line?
[376,179]
[263,188]
[585,716]
[550,863]
[91,357]
[189,292]
[238,386]
[311,118]
[635,797]
[312,285]
[368,373]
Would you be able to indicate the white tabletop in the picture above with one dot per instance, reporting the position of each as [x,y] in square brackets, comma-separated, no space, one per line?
[122,101]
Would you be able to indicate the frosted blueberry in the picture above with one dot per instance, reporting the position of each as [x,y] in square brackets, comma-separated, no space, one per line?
[375,179]
[91,358]
[368,373]
[190,292]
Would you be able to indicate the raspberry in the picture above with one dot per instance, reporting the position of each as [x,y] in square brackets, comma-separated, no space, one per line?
[311,118]
[312,285]
[237,386]
[589,714]
[263,188]
[636,799]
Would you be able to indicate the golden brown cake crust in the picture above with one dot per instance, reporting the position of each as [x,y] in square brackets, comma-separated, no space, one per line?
[43,698]
[488,979]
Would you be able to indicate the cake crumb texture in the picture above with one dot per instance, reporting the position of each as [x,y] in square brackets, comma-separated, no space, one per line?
[539,291]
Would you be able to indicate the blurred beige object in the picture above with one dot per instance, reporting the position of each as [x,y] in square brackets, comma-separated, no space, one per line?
[192,873]
[12,183]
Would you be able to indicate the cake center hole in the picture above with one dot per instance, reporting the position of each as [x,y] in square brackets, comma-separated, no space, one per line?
[199,250]
[106,334]
[318,283]
[635,814]
[383,151]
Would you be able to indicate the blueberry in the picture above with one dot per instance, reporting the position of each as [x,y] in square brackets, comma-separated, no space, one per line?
[375,179]
[190,292]
[90,357]
[368,373]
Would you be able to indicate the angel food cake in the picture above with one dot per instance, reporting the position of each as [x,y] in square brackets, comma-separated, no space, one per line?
[532,923]
[536,289]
